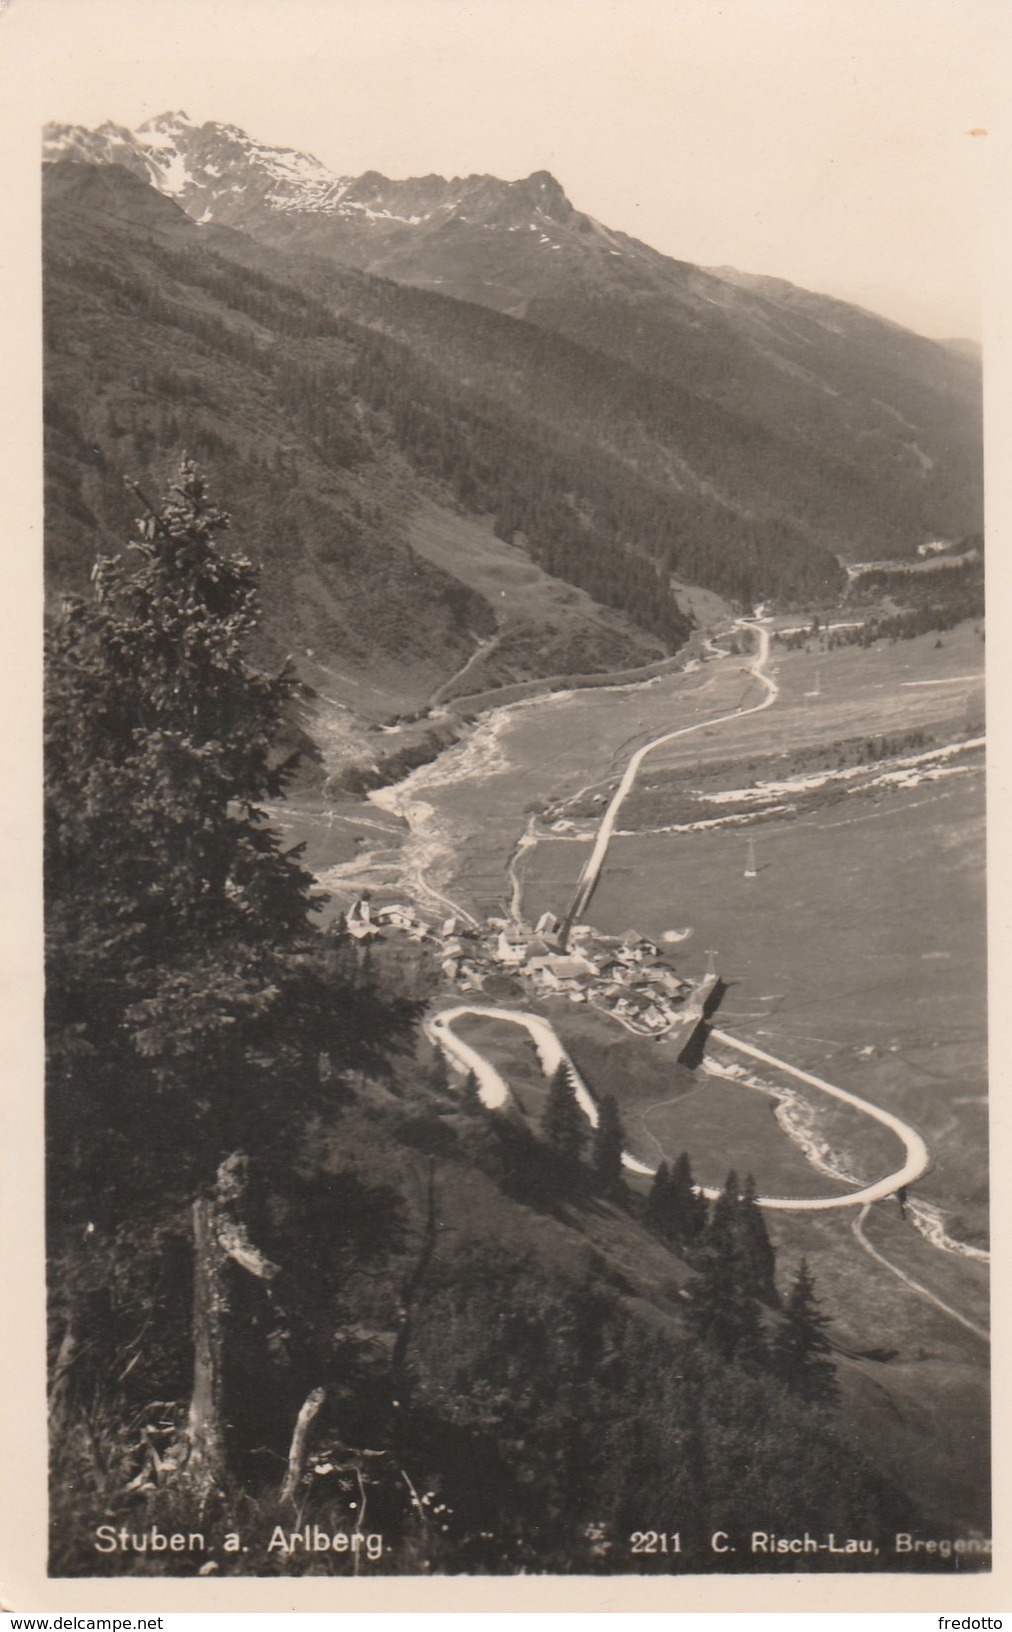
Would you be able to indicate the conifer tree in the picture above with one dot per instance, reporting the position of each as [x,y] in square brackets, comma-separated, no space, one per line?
[801,1348]
[438,1073]
[758,1258]
[687,1207]
[658,1201]
[563,1123]
[721,1230]
[190,996]
[724,1311]
[676,1209]
[470,1097]
[186,981]
[714,1291]
[170,901]
[609,1143]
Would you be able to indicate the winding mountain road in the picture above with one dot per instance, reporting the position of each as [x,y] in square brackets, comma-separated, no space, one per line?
[495,1092]
[494,1089]
[918,1156]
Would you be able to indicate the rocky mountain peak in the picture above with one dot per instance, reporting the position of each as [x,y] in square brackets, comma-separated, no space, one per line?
[547,194]
[166,121]
[217,172]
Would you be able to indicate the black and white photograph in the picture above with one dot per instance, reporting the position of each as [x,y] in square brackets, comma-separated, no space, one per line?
[514,774]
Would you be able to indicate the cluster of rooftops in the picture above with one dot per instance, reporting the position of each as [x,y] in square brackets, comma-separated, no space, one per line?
[625,975]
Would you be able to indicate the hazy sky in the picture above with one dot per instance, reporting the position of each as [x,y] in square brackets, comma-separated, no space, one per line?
[825,141]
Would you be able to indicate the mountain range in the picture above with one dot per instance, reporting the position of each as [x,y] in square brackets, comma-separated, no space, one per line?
[471,236]
[595,415]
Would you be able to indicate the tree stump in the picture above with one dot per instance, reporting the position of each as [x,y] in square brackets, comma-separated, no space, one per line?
[218,1236]
[205,1464]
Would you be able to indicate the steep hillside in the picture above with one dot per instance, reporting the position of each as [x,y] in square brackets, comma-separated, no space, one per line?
[573,450]
[153,341]
[881,429]
[867,435]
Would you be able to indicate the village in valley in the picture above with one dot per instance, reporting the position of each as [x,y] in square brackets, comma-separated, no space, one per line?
[625,976]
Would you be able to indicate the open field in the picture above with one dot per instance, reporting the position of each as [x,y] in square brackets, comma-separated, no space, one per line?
[469,807]
[478,793]
[639,1071]
[963,1283]
[542,623]
[479,796]
[872,1311]
[723,1125]
[857,952]
[828,696]
[510,1049]
[338,835]
[926,1423]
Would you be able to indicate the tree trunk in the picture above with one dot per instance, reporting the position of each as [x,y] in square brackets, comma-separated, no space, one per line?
[218,1236]
[205,1465]
[300,1440]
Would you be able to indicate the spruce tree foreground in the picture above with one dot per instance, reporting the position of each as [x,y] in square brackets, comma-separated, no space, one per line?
[190,998]
[289,1275]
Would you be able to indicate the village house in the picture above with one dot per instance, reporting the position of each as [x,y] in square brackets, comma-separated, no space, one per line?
[397,915]
[358,920]
[622,975]
[472,978]
[547,926]
[568,966]
[511,947]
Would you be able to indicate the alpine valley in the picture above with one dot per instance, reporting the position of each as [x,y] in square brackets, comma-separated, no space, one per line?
[414,373]
[545,1132]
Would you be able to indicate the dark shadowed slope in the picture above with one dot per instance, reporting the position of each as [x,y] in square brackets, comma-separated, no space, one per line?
[776,402]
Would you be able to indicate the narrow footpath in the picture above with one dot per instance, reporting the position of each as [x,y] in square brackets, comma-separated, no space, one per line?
[915,1286]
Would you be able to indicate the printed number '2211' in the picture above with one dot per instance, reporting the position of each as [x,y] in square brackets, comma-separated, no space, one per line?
[655,1541]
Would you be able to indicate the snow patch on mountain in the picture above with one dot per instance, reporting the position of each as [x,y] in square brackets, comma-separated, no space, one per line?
[175,176]
[215,170]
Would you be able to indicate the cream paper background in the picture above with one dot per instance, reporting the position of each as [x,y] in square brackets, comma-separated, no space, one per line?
[118,36]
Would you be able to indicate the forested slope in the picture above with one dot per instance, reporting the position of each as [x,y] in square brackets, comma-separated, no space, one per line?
[151,341]
[615,473]
[766,418]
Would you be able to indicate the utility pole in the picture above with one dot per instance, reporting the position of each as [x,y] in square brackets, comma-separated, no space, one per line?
[751,871]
